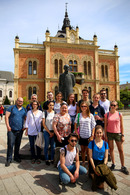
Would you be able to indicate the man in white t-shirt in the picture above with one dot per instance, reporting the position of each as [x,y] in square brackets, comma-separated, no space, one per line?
[105,103]
[68,170]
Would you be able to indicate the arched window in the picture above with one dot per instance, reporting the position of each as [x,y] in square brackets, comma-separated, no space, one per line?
[85,67]
[10,94]
[34,67]
[56,90]
[30,68]
[34,90]
[29,93]
[106,71]
[60,66]
[89,68]
[102,71]
[73,65]
[89,92]
[0,93]
[56,66]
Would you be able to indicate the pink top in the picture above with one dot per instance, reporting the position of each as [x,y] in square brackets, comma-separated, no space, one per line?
[113,122]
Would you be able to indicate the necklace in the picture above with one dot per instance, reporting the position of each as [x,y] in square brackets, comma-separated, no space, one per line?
[99,144]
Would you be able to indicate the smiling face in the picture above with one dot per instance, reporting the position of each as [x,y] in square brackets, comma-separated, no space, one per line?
[71,98]
[85,94]
[84,107]
[63,109]
[50,96]
[51,106]
[99,133]
[59,97]
[113,105]
[96,98]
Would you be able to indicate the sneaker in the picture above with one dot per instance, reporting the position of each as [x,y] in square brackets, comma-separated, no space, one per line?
[38,161]
[47,162]
[7,164]
[112,167]
[124,170]
[33,161]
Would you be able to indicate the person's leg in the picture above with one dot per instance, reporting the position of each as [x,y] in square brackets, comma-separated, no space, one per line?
[63,176]
[82,170]
[17,144]
[10,144]
[83,152]
[47,141]
[52,148]
[111,147]
[121,152]
[32,141]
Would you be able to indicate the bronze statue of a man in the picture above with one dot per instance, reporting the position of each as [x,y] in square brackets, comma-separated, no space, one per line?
[66,82]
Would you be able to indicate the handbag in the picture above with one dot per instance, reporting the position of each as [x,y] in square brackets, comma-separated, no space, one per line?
[39,139]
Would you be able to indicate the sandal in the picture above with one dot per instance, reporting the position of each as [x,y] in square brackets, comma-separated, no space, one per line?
[33,161]
[38,161]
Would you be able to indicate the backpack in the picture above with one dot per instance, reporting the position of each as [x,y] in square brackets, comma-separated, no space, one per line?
[57,155]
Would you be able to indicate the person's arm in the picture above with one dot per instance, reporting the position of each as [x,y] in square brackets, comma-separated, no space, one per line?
[64,168]
[122,128]
[55,131]
[77,164]
[27,122]
[105,127]
[45,127]
[7,115]
[106,156]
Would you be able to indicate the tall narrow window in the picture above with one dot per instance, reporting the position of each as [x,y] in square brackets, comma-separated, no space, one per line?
[60,66]
[29,93]
[106,71]
[0,93]
[102,70]
[30,68]
[34,67]
[85,67]
[56,66]
[73,65]
[10,94]
[89,68]
[34,90]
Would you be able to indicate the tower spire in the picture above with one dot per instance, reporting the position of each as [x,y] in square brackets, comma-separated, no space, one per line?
[66,21]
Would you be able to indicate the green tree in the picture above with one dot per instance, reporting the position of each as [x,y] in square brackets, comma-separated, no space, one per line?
[6,102]
[25,102]
[125,95]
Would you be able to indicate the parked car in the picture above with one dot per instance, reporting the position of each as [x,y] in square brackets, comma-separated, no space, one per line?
[5,108]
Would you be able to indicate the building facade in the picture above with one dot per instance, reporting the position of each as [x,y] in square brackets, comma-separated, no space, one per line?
[6,86]
[38,66]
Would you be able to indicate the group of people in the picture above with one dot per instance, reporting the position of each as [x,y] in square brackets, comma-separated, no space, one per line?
[94,125]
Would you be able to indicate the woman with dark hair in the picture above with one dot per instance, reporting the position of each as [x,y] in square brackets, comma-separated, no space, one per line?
[62,125]
[33,126]
[58,102]
[86,123]
[72,109]
[47,120]
[98,152]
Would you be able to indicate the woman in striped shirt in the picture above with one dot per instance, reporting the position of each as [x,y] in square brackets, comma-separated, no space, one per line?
[86,125]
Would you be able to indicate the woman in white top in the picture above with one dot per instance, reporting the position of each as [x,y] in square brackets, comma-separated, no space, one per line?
[72,109]
[86,129]
[48,131]
[58,102]
[33,126]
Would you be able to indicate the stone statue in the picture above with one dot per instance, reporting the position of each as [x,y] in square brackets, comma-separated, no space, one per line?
[66,82]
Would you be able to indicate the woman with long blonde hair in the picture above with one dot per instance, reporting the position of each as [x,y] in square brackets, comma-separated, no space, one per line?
[86,123]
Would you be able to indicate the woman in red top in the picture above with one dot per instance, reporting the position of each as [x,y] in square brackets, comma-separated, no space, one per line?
[1,111]
[114,130]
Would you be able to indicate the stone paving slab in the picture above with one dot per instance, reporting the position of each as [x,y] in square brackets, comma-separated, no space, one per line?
[25,178]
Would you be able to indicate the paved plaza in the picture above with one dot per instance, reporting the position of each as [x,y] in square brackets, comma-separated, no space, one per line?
[26,178]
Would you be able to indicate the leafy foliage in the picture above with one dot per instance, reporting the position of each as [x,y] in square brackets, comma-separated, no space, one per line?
[6,102]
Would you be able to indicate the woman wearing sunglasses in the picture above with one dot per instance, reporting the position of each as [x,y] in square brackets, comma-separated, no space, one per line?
[86,129]
[114,130]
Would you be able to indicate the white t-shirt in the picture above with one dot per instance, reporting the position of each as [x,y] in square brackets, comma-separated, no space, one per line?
[33,126]
[72,110]
[69,158]
[57,107]
[105,105]
[49,119]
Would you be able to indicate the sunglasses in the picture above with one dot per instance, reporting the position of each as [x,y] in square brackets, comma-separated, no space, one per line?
[73,140]
[113,105]
[103,93]
[83,106]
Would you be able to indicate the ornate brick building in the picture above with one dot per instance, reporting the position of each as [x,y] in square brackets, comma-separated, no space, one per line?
[38,66]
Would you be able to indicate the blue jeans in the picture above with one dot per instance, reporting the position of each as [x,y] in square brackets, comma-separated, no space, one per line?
[37,154]
[72,123]
[13,141]
[48,141]
[65,177]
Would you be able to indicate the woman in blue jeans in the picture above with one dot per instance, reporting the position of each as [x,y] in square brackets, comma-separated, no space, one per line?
[48,131]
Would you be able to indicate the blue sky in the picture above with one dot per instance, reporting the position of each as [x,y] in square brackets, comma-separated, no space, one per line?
[29,19]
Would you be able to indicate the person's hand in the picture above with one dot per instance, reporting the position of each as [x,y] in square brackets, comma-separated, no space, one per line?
[122,138]
[96,173]
[76,174]
[26,132]
[91,139]
[72,179]
[51,134]
[59,138]
[9,128]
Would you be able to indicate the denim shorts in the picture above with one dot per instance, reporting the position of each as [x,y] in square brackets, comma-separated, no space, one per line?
[114,136]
